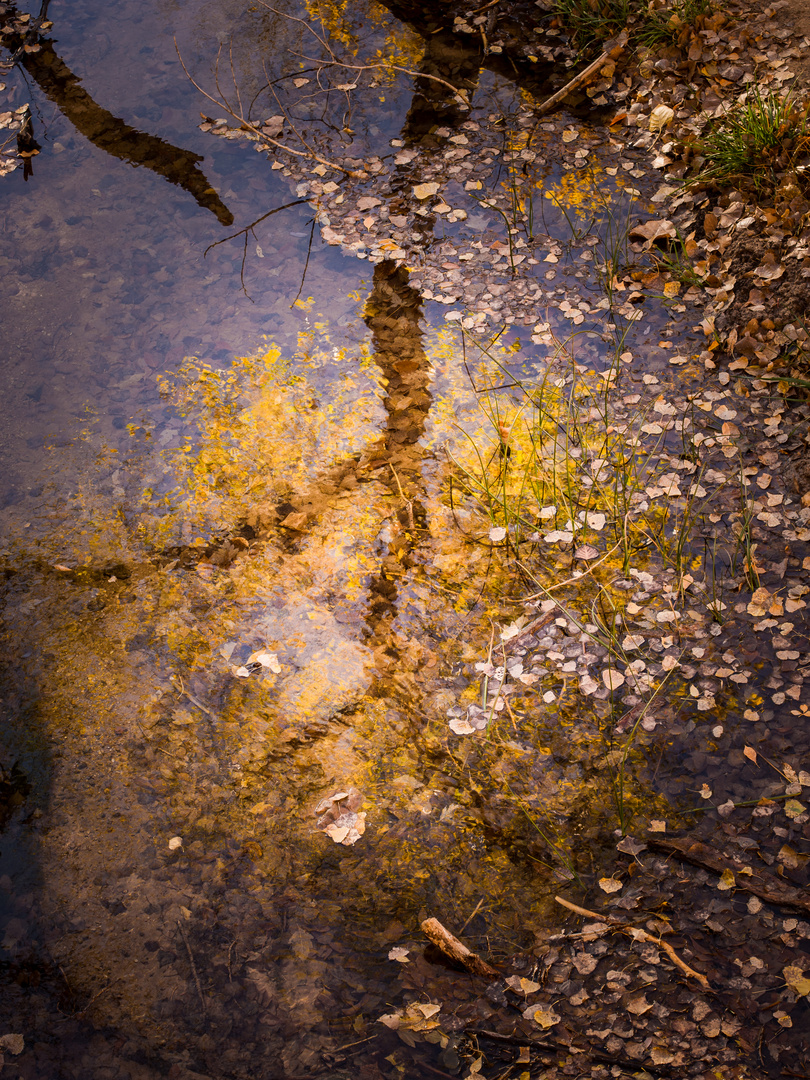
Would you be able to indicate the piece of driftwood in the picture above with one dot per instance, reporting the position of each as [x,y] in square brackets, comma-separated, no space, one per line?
[746,877]
[613,50]
[457,950]
[638,935]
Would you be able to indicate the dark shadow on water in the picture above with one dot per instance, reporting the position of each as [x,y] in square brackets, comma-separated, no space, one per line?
[109,133]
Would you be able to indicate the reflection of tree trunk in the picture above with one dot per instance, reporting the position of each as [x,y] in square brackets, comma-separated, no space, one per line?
[436,19]
[392,315]
[108,132]
[433,105]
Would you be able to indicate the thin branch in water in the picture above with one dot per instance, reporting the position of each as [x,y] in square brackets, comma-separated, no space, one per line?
[306,264]
[222,103]
[248,228]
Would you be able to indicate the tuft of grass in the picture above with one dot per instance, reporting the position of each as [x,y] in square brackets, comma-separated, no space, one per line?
[755,142]
[668,24]
[591,21]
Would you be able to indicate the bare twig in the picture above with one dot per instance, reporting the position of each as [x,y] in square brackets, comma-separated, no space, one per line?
[197,983]
[306,265]
[612,51]
[222,103]
[638,935]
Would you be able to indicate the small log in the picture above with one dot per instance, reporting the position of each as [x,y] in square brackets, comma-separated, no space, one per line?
[746,877]
[613,50]
[457,950]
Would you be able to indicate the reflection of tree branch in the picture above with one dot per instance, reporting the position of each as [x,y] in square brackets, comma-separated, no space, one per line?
[108,132]
[248,229]
[222,103]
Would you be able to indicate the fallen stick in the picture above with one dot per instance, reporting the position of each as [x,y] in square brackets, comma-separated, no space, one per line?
[613,50]
[553,1046]
[197,982]
[763,885]
[457,950]
[638,935]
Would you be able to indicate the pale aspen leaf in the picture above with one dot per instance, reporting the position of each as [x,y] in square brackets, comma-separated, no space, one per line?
[266,659]
[587,685]
[300,82]
[13,1043]
[338,833]
[367,202]
[750,753]
[497,534]
[711,1029]
[660,117]
[399,954]
[705,792]
[725,809]
[570,135]
[639,1005]
[391,1020]
[632,641]
[609,884]
[586,552]
[661,1056]
[559,536]
[521,985]
[461,726]
[612,679]
[630,846]
[770,271]
[656,825]
[596,521]
[669,663]
[754,905]
[227,649]
[513,629]
[424,191]
[653,230]
[175,843]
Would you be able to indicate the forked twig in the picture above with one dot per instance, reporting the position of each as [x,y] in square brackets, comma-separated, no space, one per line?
[614,49]
[262,136]
[638,935]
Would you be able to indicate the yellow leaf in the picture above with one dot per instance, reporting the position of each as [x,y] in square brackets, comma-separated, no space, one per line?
[424,191]
[726,881]
[796,980]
